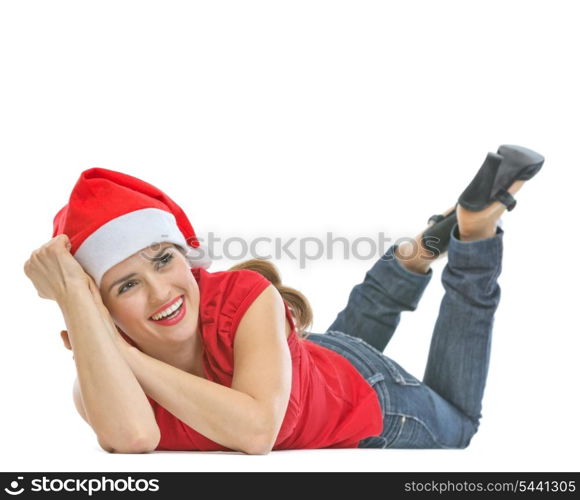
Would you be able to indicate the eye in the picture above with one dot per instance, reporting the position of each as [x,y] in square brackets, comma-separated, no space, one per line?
[165,259]
[160,262]
[122,289]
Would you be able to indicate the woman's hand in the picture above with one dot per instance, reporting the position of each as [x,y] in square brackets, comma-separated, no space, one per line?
[54,271]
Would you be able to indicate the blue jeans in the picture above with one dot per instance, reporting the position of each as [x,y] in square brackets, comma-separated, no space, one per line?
[444,409]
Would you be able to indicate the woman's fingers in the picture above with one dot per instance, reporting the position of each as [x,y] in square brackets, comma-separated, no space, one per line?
[53,270]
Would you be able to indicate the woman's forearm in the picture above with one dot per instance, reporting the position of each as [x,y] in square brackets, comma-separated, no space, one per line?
[115,403]
[226,416]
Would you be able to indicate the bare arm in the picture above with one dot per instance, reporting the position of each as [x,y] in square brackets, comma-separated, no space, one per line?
[112,400]
[114,403]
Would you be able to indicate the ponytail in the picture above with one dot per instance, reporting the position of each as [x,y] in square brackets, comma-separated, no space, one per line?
[298,303]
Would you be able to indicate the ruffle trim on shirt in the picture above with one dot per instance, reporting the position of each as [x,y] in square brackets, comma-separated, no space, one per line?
[225,298]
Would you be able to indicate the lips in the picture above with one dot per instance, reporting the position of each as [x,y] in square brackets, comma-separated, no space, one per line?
[162,308]
[172,321]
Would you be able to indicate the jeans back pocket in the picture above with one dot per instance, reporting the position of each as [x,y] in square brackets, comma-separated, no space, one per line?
[399,374]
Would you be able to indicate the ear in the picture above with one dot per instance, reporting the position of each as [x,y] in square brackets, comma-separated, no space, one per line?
[64,337]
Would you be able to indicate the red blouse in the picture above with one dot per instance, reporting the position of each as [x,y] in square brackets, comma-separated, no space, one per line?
[331,404]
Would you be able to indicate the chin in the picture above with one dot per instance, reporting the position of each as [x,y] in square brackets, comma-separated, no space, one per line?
[178,333]
[183,332]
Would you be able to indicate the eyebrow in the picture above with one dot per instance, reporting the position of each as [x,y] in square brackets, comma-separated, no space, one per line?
[124,278]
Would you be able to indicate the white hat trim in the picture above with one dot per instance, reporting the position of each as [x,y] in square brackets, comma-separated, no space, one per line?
[125,235]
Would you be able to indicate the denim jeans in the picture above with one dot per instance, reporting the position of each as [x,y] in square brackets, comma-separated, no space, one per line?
[444,409]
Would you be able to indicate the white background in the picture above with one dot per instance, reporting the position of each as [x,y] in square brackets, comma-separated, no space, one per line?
[293,119]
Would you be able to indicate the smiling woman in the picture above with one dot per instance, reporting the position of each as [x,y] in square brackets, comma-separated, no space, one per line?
[155,336]
[154,301]
[170,356]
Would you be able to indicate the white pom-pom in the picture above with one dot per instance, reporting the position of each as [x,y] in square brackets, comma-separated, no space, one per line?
[198,257]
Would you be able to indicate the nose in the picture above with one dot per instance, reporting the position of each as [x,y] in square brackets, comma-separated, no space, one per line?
[159,295]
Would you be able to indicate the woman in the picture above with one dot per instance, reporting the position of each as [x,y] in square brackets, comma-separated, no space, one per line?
[155,335]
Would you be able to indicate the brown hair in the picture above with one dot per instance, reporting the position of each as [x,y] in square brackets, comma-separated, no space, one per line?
[298,303]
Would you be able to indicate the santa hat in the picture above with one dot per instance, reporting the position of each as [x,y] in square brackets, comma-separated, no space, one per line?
[111,215]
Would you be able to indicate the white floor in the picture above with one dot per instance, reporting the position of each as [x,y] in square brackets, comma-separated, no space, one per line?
[524,453]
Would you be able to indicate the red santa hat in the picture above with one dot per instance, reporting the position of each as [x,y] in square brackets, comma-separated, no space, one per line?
[111,215]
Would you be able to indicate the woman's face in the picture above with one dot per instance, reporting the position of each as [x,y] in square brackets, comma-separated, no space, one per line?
[159,275]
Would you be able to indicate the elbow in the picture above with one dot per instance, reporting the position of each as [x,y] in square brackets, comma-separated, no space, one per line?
[258,449]
[132,447]
[264,442]
[137,444]
[262,437]
[261,445]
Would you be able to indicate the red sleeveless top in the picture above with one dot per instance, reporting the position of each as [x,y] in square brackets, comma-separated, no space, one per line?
[331,404]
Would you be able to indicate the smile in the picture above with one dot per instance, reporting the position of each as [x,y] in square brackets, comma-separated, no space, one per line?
[172,315]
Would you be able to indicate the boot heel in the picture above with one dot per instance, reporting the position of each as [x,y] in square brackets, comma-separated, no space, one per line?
[520,156]
[478,193]
[491,183]
[497,174]
[436,237]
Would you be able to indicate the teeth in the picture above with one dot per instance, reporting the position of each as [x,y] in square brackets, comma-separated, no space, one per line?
[168,311]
